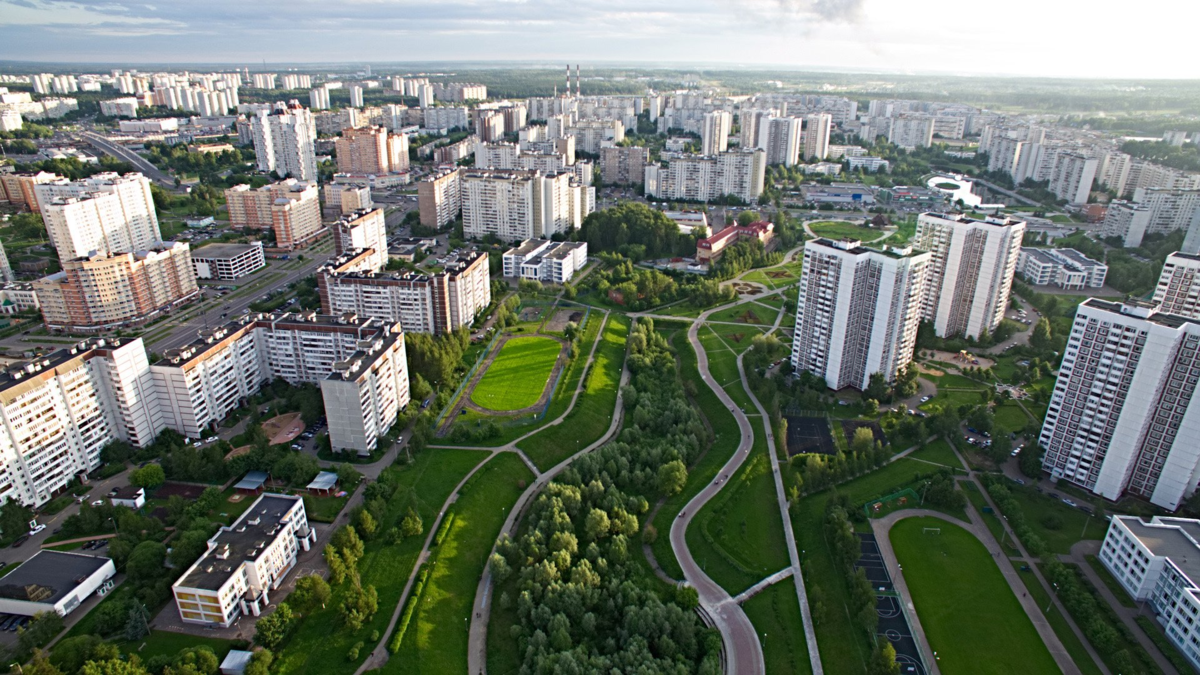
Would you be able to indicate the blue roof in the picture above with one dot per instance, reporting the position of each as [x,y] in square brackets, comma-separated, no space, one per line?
[253,480]
[324,481]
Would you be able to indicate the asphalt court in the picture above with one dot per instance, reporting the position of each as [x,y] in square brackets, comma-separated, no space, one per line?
[893,625]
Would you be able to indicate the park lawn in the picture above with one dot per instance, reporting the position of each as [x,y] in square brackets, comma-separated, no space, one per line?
[324,509]
[775,613]
[745,313]
[951,399]
[969,613]
[738,536]
[593,412]
[773,301]
[1010,417]
[684,309]
[1058,622]
[975,496]
[517,378]
[425,484]
[700,474]
[938,452]
[1072,524]
[836,229]
[773,278]
[436,641]
[165,643]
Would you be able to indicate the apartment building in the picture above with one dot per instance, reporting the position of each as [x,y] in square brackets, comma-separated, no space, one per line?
[366,231]
[20,189]
[202,382]
[120,107]
[1072,177]
[592,135]
[318,99]
[105,213]
[105,292]
[496,155]
[858,311]
[1145,175]
[1063,267]
[434,303]
[245,563]
[451,153]
[297,81]
[1123,418]
[371,151]
[284,141]
[1127,220]
[911,131]
[460,91]
[439,198]
[6,272]
[249,207]
[1170,209]
[714,133]
[228,261]
[816,136]
[545,260]
[444,119]
[737,173]
[356,96]
[343,198]
[623,166]
[783,139]
[519,205]
[264,80]
[1159,562]
[971,273]
[58,412]
[1178,290]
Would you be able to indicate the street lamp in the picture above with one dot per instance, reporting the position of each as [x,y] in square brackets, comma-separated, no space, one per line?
[1051,598]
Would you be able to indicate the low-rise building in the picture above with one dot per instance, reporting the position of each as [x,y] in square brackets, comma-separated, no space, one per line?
[1063,267]
[228,261]
[688,220]
[54,581]
[545,260]
[709,249]
[130,496]
[245,563]
[1159,562]
[18,297]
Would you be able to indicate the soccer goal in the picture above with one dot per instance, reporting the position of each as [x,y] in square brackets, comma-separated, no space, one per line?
[932,530]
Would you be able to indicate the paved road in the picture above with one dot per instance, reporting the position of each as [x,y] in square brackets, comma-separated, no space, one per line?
[743,652]
[186,332]
[100,489]
[125,154]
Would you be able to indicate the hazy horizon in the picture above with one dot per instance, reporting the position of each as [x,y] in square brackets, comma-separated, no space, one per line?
[1023,38]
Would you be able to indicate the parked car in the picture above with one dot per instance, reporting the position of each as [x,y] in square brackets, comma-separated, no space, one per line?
[1068,502]
[36,529]
[20,540]
[98,502]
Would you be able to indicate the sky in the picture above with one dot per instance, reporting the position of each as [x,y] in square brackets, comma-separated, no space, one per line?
[1149,39]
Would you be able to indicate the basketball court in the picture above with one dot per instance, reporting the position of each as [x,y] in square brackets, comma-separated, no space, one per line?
[809,435]
[893,625]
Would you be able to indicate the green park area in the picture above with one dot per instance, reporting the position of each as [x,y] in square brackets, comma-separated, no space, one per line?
[517,378]
[972,618]
[436,638]
[840,229]
[775,613]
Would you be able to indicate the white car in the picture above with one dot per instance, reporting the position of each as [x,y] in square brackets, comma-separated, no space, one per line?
[36,529]
[924,399]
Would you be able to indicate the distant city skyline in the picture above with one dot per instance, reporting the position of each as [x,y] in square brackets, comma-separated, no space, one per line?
[1021,38]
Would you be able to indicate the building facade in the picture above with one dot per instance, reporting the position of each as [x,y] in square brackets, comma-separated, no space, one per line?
[1123,417]
[439,198]
[857,312]
[1063,267]
[545,260]
[971,273]
[519,205]
[105,213]
[365,231]
[737,173]
[228,261]
[284,140]
[1178,290]
[623,166]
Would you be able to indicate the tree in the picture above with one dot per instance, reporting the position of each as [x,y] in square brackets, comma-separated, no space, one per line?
[260,663]
[877,388]
[194,661]
[71,653]
[41,630]
[149,476]
[672,477]
[596,526]
[41,666]
[1041,338]
[1029,460]
[337,566]
[412,526]
[364,522]
[870,407]
[311,592]
[883,660]
[273,628]
[116,666]
[863,441]
[359,606]
[14,518]
[146,562]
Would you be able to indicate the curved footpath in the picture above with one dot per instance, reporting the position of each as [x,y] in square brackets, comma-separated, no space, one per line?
[743,652]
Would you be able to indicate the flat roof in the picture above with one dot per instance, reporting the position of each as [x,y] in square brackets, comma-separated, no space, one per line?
[1168,540]
[527,246]
[240,542]
[49,576]
[1078,258]
[1168,320]
[36,369]
[223,251]
[1040,255]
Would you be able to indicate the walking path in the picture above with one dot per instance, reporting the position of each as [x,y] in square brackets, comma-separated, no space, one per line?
[1127,614]
[763,585]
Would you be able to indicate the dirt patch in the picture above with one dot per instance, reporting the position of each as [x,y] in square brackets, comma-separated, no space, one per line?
[743,288]
[736,337]
[167,490]
[236,497]
[530,313]
[779,274]
[236,452]
[961,359]
[928,371]
[561,318]
[749,316]
[283,428]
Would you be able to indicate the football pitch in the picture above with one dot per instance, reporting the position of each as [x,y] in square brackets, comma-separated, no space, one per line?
[517,377]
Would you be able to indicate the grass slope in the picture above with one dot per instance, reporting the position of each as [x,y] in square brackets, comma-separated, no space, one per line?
[592,414]
[775,613]
[518,376]
[436,641]
[972,619]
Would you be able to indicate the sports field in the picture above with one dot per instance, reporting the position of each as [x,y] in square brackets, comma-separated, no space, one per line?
[839,229]
[972,619]
[517,377]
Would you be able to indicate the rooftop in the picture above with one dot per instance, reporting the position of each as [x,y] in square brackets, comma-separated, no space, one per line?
[1146,311]
[49,576]
[27,371]
[224,251]
[243,541]
[1174,538]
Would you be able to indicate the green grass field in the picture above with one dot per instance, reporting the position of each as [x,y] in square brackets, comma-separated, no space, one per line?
[1059,623]
[518,376]
[938,452]
[750,313]
[787,274]
[592,414]
[1010,416]
[738,536]
[1059,525]
[775,613]
[436,641]
[972,619]
[835,229]
[426,483]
